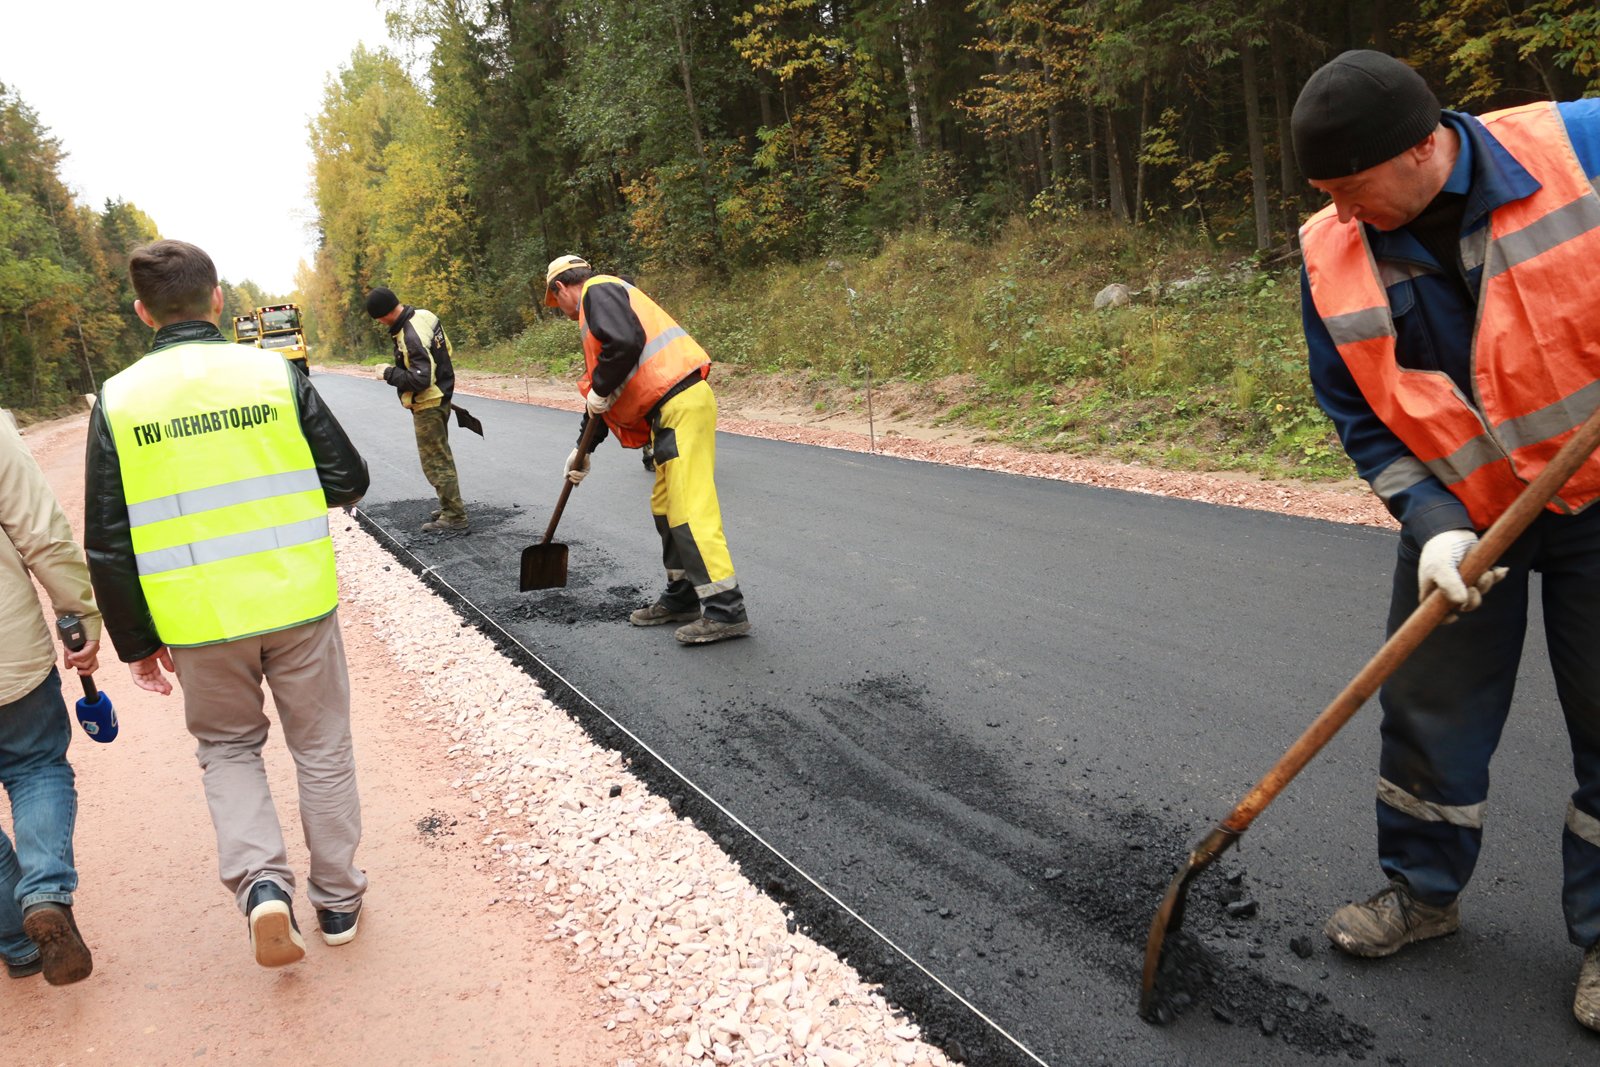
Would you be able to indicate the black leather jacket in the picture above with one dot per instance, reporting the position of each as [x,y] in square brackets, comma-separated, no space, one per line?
[106,538]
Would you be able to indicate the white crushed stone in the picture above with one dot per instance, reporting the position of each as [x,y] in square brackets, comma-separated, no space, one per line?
[682,948]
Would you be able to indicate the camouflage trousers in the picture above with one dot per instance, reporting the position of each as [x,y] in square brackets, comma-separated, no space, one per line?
[438,463]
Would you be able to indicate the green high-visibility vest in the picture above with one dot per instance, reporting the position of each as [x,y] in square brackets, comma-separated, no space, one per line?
[229,522]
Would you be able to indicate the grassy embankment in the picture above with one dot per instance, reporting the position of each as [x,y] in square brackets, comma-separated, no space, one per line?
[1002,338]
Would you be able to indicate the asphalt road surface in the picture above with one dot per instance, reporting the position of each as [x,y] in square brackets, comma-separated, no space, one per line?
[990,714]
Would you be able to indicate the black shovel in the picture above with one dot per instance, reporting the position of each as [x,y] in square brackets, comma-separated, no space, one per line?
[544,565]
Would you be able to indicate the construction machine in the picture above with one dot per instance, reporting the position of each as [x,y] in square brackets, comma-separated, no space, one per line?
[282,330]
[246,330]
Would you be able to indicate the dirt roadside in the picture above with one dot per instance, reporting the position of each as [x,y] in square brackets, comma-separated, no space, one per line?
[437,976]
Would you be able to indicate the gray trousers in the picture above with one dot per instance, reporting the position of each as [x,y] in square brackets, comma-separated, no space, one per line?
[223,703]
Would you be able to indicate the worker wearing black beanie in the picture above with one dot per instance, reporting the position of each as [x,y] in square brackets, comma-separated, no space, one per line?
[1360,109]
[1453,340]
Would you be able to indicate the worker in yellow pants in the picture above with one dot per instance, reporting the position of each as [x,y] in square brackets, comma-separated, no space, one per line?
[684,504]
[645,377]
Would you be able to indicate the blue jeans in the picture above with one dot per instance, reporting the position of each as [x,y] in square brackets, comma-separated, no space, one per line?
[34,733]
[1444,708]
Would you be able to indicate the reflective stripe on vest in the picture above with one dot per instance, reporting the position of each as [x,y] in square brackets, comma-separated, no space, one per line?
[1536,350]
[669,356]
[425,323]
[226,513]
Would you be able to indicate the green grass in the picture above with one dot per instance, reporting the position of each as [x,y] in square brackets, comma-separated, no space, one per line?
[1209,376]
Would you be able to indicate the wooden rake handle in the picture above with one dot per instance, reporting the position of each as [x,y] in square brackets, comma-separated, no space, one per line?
[584,441]
[1423,621]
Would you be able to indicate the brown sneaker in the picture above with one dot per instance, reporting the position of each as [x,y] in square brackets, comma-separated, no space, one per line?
[1586,1005]
[658,614]
[444,526]
[63,956]
[1390,921]
[704,631]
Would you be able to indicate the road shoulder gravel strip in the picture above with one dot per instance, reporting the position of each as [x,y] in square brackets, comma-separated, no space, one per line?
[684,946]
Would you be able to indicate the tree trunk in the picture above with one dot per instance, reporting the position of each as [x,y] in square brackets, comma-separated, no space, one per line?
[1288,173]
[764,97]
[1258,153]
[1093,148]
[908,61]
[1139,167]
[1115,172]
[699,139]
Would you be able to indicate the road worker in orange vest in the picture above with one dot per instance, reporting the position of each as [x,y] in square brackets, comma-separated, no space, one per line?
[1454,336]
[645,378]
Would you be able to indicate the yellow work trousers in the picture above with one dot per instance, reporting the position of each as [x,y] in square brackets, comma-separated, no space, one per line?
[684,505]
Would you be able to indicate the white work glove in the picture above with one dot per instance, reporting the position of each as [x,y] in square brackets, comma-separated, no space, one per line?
[577,467]
[1439,569]
[597,403]
[383,372]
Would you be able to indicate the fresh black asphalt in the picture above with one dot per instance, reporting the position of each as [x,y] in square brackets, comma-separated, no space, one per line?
[990,714]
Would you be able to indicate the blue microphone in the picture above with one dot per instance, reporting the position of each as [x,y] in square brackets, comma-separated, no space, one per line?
[95,713]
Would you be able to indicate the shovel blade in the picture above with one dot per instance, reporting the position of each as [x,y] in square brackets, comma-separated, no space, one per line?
[1169,916]
[544,567]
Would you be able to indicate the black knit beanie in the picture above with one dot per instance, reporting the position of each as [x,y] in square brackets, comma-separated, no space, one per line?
[381,301]
[1360,109]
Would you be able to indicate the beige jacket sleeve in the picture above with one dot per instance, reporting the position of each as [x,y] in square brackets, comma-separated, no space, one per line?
[38,541]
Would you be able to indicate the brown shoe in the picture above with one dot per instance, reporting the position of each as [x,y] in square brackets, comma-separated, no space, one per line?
[1388,922]
[444,526]
[703,631]
[659,614]
[62,954]
[1586,1005]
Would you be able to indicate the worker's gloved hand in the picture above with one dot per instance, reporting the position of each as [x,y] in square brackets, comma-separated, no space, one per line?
[597,403]
[577,467]
[383,372]
[1440,566]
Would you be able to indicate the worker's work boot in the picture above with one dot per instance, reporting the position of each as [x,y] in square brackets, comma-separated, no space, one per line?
[441,525]
[1390,921]
[1586,1005]
[703,631]
[659,614]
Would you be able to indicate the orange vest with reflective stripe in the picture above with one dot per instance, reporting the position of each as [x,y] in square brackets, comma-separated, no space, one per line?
[669,356]
[1536,350]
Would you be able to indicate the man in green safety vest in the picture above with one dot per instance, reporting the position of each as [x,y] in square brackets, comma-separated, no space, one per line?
[211,469]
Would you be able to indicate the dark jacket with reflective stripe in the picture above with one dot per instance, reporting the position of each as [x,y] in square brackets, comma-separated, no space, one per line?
[1434,317]
[106,537]
[420,362]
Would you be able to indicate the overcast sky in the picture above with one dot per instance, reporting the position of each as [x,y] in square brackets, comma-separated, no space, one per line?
[194,110]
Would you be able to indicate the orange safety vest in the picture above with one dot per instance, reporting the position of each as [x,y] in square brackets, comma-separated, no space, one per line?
[669,356]
[1536,350]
